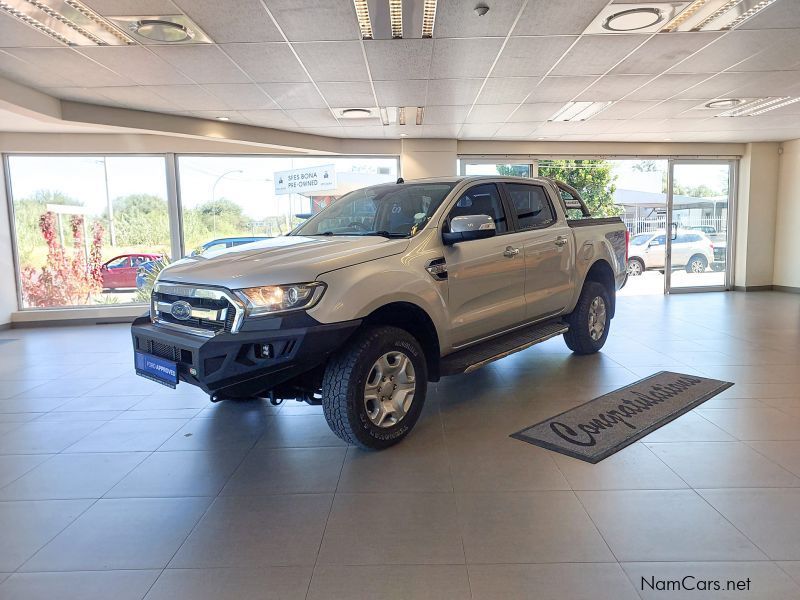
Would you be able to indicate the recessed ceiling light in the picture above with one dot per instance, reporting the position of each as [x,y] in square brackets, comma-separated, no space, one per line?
[667,139]
[633,19]
[69,21]
[726,103]
[758,106]
[403,135]
[160,30]
[223,118]
[541,138]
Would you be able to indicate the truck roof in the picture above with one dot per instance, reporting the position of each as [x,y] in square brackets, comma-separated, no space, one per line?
[460,178]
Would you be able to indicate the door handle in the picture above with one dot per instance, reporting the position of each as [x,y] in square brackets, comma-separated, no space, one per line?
[510,252]
[561,240]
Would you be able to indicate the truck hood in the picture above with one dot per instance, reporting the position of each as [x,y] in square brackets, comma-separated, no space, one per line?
[281,260]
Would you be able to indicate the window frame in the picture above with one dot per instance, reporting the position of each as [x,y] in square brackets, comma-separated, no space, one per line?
[517,224]
[511,222]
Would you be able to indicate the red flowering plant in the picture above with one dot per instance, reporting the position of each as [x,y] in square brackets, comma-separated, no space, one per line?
[64,279]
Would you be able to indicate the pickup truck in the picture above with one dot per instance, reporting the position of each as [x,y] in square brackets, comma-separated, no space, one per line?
[389,288]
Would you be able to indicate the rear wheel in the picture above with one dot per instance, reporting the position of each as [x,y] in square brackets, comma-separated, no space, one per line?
[697,264]
[635,267]
[373,391]
[590,321]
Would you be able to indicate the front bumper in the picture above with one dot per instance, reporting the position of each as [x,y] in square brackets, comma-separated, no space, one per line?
[268,352]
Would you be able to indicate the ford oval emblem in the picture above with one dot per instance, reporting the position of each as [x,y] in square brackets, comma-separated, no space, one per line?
[181,310]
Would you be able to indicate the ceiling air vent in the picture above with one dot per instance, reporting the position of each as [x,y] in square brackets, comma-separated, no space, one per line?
[163,29]
[627,17]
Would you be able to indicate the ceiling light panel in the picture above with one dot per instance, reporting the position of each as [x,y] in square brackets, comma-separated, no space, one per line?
[364,23]
[716,15]
[400,19]
[579,111]
[757,106]
[396,18]
[626,17]
[69,21]
[428,18]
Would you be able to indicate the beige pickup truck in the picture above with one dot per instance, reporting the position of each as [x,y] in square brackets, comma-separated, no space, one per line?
[387,289]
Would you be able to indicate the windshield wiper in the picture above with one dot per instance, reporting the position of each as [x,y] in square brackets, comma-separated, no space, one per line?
[386,234]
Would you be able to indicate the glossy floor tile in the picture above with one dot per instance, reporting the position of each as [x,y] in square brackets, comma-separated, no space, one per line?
[112,486]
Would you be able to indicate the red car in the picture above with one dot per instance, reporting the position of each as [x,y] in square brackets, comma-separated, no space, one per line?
[120,271]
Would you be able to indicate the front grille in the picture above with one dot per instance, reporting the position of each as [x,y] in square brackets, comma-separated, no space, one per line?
[213,326]
[167,351]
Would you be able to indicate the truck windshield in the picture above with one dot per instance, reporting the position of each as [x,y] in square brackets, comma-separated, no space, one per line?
[392,210]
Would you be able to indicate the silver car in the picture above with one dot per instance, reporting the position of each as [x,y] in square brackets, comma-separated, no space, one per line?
[691,250]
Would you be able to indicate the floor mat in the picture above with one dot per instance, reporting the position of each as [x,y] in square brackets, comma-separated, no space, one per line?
[605,425]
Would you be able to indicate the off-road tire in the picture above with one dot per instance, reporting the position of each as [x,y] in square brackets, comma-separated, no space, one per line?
[345,379]
[578,338]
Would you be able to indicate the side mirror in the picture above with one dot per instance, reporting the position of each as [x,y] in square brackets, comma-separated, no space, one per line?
[469,227]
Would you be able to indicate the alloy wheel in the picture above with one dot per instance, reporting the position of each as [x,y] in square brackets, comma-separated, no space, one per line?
[389,390]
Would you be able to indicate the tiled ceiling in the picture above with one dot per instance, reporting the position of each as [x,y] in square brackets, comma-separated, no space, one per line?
[294,64]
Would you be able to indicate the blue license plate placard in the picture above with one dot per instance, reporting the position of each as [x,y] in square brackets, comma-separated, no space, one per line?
[156,369]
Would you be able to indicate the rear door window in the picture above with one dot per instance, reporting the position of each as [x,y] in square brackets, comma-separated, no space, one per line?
[531,205]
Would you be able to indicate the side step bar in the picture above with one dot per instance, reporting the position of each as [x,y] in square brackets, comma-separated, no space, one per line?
[474,357]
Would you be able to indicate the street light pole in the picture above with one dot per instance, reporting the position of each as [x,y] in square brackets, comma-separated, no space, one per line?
[112,233]
[214,193]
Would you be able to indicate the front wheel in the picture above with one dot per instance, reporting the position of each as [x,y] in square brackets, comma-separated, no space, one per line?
[590,321]
[374,389]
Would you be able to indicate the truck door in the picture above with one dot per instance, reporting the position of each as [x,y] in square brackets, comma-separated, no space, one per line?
[548,247]
[486,278]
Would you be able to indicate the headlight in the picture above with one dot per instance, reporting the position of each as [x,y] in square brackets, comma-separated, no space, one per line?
[272,299]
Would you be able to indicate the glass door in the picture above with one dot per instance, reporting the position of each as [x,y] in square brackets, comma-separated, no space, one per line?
[699,207]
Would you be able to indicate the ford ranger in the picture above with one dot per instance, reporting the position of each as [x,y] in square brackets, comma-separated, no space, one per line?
[389,288]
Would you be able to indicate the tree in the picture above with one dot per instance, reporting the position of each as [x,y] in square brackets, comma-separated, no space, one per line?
[593,180]
[141,220]
[513,170]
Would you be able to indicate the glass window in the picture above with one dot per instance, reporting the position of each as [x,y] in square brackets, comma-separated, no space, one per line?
[504,169]
[395,210]
[72,214]
[640,239]
[531,205]
[659,240]
[255,197]
[482,199]
[119,263]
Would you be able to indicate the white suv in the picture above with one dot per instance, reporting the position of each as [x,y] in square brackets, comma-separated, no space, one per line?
[691,250]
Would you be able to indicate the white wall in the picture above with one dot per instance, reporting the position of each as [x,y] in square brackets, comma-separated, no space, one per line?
[8,286]
[428,158]
[755,215]
[787,228]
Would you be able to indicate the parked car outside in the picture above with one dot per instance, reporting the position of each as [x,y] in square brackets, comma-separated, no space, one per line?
[707,229]
[231,242]
[213,245]
[120,271]
[691,250]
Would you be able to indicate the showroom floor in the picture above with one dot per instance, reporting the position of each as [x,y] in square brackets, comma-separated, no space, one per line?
[113,487]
